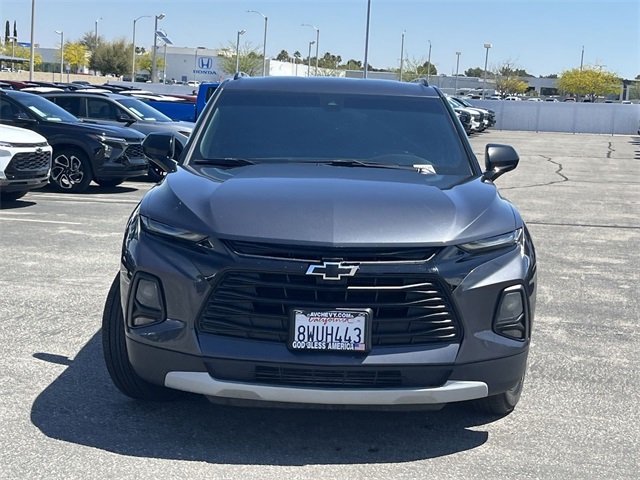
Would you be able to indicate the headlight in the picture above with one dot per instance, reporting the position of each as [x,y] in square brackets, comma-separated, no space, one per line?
[165,230]
[106,139]
[493,243]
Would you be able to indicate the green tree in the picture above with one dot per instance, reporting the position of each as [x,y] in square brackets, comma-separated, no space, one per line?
[21,52]
[507,79]
[250,59]
[144,61]
[75,54]
[112,57]
[283,56]
[590,82]
[353,65]
[413,69]
[330,61]
[90,41]
[474,72]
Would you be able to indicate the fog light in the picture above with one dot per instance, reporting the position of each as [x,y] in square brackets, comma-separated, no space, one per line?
[511,317]
[148,294]
[146,305]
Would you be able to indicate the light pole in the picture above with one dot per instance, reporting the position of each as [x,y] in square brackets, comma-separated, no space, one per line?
[264,47]
[240,32]
[366,41]
[582,58]
[457,68]
[317,42]
[13,50]
[486,60]
[97,30]
[309,59]
[133,55]
[154,68]
[402,54]
[429,64]
[32,54]
[61,33]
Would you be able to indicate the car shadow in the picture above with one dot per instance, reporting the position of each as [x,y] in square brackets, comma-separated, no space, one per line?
[14,204]
[93,190]
[82,406]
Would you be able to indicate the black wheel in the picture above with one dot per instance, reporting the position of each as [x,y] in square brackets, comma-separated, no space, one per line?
[70,170]
[115,354]
[110,183]
[501,404]
[12,196]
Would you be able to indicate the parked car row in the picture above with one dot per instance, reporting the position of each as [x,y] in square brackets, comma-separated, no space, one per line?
[474,119]
[91,135]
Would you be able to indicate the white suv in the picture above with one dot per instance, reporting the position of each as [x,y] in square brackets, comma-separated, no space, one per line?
[25,161]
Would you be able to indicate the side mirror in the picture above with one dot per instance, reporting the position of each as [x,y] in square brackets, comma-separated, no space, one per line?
[125,119]
[160,148]
[499,159]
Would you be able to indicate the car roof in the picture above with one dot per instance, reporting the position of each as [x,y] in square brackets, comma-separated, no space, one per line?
[90,93]
[332,85]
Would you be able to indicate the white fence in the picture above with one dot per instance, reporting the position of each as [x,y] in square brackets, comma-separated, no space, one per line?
[570,117]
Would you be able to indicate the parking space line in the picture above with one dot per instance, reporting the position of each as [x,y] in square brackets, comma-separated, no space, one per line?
[58,222]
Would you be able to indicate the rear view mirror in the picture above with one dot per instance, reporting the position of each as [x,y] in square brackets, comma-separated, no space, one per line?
[499,159]
[160,149]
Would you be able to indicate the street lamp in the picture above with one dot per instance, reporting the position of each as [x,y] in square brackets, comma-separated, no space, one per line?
[61,33]
[264,47]
[240,32]
[429,64]
[366,41]
[154,68]
[486,60]
[32,53]
[133,55]
[97,30]
[457,68]
[317,42]
[402,54]
[13,50]
[309,59]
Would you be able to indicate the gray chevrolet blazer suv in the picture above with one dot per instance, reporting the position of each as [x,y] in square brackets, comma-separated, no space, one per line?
[329,242]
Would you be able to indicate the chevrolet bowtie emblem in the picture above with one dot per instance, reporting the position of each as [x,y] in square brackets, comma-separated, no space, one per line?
[333,270]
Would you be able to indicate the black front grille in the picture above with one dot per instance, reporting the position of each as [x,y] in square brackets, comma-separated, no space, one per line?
[335,376]
[134,151]
[317,253]
[407,310]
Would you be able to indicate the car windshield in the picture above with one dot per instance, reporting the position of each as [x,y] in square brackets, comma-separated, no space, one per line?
[144,111]
[46,109]
[264,127]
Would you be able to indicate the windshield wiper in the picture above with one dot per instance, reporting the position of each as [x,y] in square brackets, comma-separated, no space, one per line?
[225,162]
[360,163]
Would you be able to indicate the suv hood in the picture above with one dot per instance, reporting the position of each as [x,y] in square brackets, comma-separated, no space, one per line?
[20,135]
[112,131]
[329,205]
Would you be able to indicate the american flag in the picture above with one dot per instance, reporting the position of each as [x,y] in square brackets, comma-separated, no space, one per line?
[358,346]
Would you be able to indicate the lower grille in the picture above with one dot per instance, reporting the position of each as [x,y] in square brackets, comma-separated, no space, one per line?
[357,376]
[134,151]
[407,310]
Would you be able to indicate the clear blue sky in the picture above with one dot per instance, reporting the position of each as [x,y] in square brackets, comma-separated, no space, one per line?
[542,37]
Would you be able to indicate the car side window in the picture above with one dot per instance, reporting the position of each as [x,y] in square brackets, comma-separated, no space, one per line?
[70,104]
[100,109]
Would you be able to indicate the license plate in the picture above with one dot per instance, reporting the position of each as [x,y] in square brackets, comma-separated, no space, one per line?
[342,330]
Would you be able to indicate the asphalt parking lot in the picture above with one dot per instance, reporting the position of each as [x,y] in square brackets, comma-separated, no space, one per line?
[579,415]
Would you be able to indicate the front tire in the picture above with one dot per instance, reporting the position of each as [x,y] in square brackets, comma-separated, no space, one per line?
[70,170]
[501,404]
[116,357]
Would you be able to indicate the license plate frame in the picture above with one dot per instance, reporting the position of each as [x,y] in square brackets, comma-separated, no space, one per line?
[333,330]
